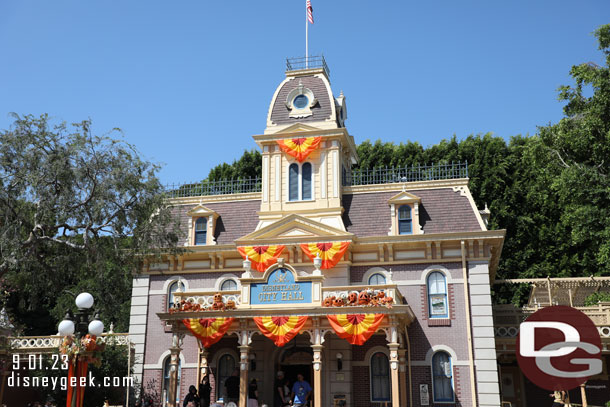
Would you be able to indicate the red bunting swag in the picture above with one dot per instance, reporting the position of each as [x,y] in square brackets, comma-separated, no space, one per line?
[280,329]
[299,148]
[355,328]
[330,253]
[208,330]
[261,256]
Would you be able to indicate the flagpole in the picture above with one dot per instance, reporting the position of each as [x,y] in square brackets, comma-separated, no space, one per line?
[306,38]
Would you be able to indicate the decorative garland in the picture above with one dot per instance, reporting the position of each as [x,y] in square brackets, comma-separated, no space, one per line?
[367,297]
[88,350]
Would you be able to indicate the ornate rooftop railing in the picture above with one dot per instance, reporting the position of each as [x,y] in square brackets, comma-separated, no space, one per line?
[388,175]
[384,175]
[222,187]
[310,62]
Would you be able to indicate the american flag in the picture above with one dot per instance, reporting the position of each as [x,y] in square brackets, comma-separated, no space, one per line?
[309,12]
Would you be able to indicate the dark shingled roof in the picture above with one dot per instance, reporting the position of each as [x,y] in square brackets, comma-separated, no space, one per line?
[321,111]
[441,210]
[235,220]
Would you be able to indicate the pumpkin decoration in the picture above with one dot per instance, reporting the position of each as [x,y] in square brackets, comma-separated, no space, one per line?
[218,304]
[338,302]
[352,298]
[364,298]
[231,304]
[328,301]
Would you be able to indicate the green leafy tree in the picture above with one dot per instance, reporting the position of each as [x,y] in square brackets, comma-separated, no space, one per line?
[580,144]
[77,212]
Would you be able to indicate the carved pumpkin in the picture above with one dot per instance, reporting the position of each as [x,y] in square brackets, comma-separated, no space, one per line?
[338,302]
[328,301]
[364,298]
[352,299]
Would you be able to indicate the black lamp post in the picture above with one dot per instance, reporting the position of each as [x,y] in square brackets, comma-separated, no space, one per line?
[82,323]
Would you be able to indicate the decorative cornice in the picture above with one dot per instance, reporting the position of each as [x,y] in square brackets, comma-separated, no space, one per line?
[398,186]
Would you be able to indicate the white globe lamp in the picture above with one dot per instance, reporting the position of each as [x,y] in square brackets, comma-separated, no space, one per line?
[66,327]
[84,301]
[96,327]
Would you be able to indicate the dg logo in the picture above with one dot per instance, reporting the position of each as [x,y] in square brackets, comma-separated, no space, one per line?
[559,348]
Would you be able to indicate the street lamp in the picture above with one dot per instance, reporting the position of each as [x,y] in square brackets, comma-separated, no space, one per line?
[82,323]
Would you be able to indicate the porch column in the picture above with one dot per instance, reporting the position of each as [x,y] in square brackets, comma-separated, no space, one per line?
[173,368]
[316,339]
[203,365]
[393,346]
[244,351]
[317,375]
[402,375]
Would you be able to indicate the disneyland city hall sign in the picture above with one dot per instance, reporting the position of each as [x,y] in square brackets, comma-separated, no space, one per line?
[281,288]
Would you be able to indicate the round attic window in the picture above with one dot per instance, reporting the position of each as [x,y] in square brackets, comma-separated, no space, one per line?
[300,101]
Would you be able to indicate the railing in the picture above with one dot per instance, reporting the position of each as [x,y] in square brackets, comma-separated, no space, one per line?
[508,317]
[206,298]
[387,175]
[310,62]
[222,187]
[390,290]
[51,342]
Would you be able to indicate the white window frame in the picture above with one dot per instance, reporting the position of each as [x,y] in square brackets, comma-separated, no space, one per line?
[447,315]
[451,364]
[370,358]
[300,182]
[169,291]
[167,360]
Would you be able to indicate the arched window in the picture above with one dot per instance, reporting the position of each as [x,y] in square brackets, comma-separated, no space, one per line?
[405,226]
[380,377]
[226,366]
[228,285]
[201,231]
[377,279]
[173,287]
[442,377]
[300,182]
[166,370]
[306,181]
[437,295]
[293,182]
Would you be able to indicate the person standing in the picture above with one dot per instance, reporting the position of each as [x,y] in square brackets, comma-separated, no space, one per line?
[280,395]
[253,394]
[191,398]
[204,391]
[232,388]
[300,392]
[559,398]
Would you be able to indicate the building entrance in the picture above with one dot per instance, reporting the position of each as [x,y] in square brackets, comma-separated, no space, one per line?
[297,360]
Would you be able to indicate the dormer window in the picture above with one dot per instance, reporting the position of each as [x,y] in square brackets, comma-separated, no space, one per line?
[201,232]
[201,227]
[405,226]
[300,182]
[404,211]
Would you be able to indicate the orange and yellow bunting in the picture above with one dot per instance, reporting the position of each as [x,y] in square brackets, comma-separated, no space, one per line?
[208,330]
[330,253]
[299,148]
[261,256]
[355,328]
[280,329]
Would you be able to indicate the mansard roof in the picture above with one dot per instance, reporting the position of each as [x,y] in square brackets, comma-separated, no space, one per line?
[442,210]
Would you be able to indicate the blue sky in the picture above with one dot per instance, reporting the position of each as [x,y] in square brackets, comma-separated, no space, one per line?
[189,82]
